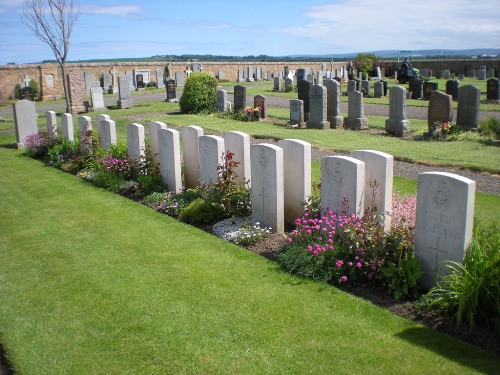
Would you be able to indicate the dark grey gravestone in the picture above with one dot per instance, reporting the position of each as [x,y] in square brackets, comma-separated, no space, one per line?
[139,78]
[301,74]
[415,87]
[170,88]
[304,90]
[429,87]
[440,109]
[296,112]
[27,93]
[240,97]
[378,89]
[260,101]
[468,106]
[493,90]
[452,88]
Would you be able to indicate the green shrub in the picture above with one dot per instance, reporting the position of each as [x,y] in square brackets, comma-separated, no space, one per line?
[17,91]
[490,127]
[172,204]
[365,63]
[151,84]
[471,292]
[36,89]
[200,94]
[64,155]
[201,212]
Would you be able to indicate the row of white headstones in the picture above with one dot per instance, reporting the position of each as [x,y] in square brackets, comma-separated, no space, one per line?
[280,180]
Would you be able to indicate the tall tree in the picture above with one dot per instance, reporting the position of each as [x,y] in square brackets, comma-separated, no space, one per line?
[52,22]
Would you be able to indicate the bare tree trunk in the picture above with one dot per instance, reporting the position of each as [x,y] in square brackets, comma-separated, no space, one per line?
[66,88]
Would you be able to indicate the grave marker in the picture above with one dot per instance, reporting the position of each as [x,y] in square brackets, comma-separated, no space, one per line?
[67,128]
[304,91]
[154,129]
[468,106]
[493,90]
[239,144]
[170,88]
[107,133]
[415,87]
[170,159]
[260,101]
[355,119]
[159,79]
[397,123]
[179,79]
[50,117]
[124,100]
[211,149]
[240,97]
[318,112]
[440,109]
[85,131]
[452,88]
[222,100]
[429,87]
[190,136]
[333,104]
[297,112]
[25,120]
[136,142]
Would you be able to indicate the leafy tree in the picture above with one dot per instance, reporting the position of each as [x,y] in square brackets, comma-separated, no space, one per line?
[365,62]
[52,22]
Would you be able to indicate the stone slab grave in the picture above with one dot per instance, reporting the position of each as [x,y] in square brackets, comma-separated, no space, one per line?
[493,90]
[288,84]
[304,92]
[481,75]
[239,144]
[170,159]
[342,185]
[190,140]
[452,88]
[85,132]
[240,97]
[260,101]
[428,88]
[469,99]
[351,86]
[333,94]
[365,87]
[355,119]
[278,84]
[317,115]
[106,82]
[97,99]
[379,173]
[210,150]
[179,79]
[415,87]
[51,122]
[249,75]
[296,176]
[124,99]
[297,112]
[397,124]
[159,79]
[154,128]
[222,101]
[445,214]
[88,79]
[67,127]
[107,132]
[136,142]
[24,120]
[170,88]
[440,109]
[267,186]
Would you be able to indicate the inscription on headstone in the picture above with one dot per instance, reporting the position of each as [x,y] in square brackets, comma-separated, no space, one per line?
[240,97]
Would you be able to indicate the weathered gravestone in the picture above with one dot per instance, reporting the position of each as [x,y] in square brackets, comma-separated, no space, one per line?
[107,133]
[342,185]
[222,100]
[159,79]
[415,87]
[27,93]
[240,98]
[355,119]
[25,120]
[378,182]
[304,91]
[490,73]
[351,86]
[424,72]
[85,132]
[445,74]
[317,106]
[124,100]
[154,128]
[297,112]
[333,104]
[179,79]
[220,75]
[170,159]
[288,84]
[429,87]
[190,136]
[136,143]
[310,78]
[211,149]
[170,89]
[301,74]
[241,76]
[139,79]
[106,82]
[440,109]
[493,90]
[67,127]
[452,88]
[239,144]
[365,87]
[481,75]
[89,79]
[97,99]
[378,89]
[397,124]
[296,176]
[445,213]
[319,77]
[267,185]
[249,74]
[278,84]
[50,117]
[260,101]
[468,106]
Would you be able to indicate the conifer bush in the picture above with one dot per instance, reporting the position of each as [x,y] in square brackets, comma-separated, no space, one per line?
[200,94]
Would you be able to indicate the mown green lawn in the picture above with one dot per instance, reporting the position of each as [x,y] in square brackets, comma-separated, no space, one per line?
[92,283]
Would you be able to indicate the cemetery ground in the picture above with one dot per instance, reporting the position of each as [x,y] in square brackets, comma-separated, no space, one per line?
[111,298]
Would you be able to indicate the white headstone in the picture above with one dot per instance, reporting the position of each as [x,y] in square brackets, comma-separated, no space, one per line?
[267,186]
[239,144]
[153,128]
[85,132]
[297,176]
[190,135]
[170,159]
[67,128]
[378,182]
[97,98]
[25,120]
[342,185]
[50,117]
[445,214]
[107,133]
[136,142]
[211,149]
[222,100]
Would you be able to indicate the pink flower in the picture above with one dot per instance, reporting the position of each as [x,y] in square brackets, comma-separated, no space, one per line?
[343,279]
[359,265]
[289,239]
[339,263]
[370,276]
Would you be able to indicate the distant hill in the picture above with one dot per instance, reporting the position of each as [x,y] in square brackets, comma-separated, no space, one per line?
[431,53]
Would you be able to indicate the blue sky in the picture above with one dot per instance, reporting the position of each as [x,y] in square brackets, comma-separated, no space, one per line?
[115,29]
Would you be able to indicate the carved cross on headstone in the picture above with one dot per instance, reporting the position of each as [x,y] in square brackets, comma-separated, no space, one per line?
[439,259]
[26,80]
[188,72]
[264,197]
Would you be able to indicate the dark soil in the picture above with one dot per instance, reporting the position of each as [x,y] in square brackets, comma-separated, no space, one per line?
[377,294]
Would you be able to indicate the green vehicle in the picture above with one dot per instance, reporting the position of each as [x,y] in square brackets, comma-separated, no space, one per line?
[406,71]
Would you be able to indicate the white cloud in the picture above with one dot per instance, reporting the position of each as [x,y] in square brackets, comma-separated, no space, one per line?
[120,10]
[364,25]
